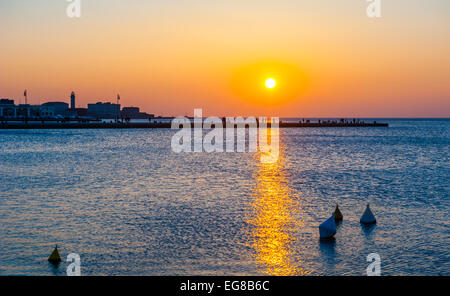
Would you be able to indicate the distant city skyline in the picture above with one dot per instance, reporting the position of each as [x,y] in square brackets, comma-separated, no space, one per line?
[326,57]
[10,109]
[71,102]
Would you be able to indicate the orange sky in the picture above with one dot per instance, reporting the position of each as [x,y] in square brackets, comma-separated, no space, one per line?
[328,57]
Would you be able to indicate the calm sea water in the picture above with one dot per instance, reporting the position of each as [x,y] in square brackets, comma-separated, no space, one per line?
[129,206]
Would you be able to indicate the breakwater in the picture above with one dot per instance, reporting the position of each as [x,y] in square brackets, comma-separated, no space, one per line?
[120,125]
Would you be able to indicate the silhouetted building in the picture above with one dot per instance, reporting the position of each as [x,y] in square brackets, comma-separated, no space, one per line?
[104,110]
[23,110]
[81,111]
[42,111]
[7,108]
[59,108]
[6,102]
[130,112]
[134,113]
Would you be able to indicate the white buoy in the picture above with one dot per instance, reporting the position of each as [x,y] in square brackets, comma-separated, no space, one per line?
[328,228]
[368,217]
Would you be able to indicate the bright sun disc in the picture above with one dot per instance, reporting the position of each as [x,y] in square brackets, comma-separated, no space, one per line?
[270,83]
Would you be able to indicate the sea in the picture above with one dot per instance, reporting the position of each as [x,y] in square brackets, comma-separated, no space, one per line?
[128,205]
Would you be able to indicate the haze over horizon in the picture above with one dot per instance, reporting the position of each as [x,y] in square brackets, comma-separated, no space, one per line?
[327,57]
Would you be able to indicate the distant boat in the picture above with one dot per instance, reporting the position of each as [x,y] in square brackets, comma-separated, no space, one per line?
[328,228]
[368,217]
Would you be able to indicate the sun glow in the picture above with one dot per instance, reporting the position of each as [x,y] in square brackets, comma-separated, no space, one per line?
[268,83]
[271,83]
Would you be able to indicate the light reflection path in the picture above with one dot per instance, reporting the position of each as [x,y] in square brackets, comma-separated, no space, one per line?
[275,221]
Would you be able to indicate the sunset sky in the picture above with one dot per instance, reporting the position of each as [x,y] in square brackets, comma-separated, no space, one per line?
[168,57]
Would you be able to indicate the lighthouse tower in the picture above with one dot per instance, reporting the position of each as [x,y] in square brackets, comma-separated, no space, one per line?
[72,100]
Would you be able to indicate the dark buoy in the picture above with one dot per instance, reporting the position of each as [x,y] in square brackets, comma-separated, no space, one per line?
[337,214]
[368,217]
[54,257]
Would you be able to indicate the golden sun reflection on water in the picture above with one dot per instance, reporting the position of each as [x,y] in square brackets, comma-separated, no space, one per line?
[275,220]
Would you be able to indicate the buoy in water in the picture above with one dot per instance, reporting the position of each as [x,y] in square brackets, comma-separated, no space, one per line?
[368,217]
[328,228]
[337,214]
[54,257]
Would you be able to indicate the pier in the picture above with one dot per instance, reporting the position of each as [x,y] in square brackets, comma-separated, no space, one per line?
[143,125]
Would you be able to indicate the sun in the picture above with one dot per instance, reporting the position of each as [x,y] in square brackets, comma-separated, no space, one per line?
[270,83]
